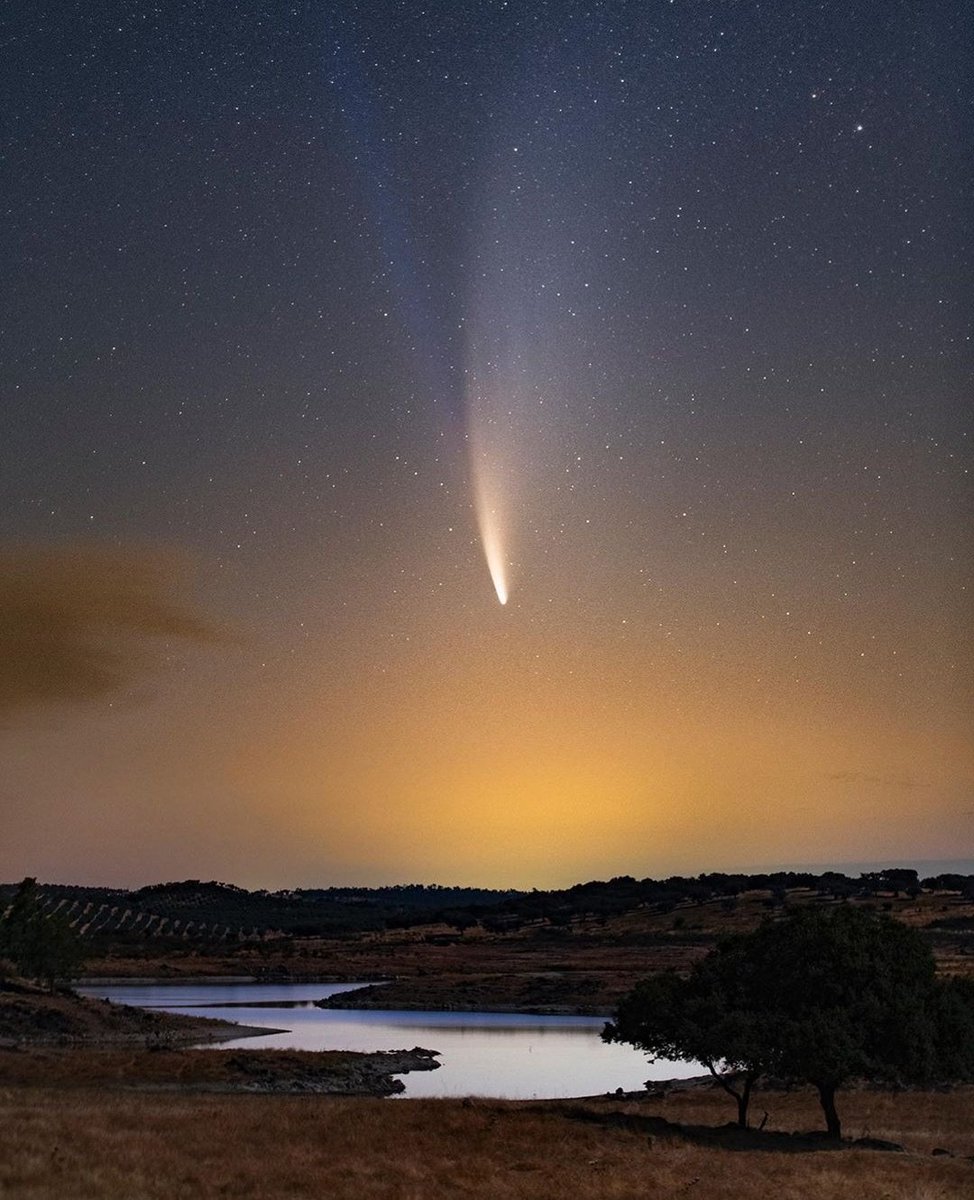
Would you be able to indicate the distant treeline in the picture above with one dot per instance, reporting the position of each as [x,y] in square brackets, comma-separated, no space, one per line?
[213,913]
[613,897]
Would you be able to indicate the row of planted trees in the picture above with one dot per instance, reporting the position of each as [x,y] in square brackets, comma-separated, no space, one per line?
[823,997]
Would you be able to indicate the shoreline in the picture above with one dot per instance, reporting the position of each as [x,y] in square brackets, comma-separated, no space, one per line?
[33,1017]
[192,1070]
[158,1040]
[92,981]
[366,999]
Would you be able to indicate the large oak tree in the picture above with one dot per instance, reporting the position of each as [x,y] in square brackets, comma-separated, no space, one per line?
[821,996]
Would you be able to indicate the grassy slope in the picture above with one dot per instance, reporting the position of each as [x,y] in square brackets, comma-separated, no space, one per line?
[30,1015]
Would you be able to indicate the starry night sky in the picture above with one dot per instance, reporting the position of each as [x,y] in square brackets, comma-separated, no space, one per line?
[680,291]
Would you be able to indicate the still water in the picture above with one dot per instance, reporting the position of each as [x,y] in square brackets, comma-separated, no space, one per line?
[508,1055]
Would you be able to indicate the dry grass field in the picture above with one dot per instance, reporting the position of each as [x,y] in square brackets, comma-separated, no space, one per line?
[112,1145]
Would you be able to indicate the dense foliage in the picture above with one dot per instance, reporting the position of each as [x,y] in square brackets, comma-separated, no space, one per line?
[711,1018]
[821,996]
[40,945]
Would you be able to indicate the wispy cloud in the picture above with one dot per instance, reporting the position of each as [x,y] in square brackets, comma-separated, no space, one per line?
[75,622]
[904,782]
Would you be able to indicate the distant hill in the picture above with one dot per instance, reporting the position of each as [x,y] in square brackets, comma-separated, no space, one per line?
[212,912]
[210,916]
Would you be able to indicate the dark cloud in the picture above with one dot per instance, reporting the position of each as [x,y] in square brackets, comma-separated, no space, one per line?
[74,621]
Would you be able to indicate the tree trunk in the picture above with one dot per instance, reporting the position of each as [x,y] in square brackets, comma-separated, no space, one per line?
[743,1099]
[826,1095]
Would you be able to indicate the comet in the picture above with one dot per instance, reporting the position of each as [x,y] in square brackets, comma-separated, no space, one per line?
[490,523]
[493,550]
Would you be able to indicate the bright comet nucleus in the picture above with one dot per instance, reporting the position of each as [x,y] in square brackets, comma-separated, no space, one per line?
[489,521]
[495,561]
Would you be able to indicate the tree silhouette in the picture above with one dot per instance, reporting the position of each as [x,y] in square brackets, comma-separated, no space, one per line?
[707,1018]
[821,996]
[41,946]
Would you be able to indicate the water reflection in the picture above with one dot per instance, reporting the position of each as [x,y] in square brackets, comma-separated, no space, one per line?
[508,1055]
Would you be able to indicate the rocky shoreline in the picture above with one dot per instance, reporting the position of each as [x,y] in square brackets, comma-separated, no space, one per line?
[180,1070]
[367,1074]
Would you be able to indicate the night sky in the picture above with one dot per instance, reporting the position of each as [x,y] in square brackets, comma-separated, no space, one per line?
[327,325]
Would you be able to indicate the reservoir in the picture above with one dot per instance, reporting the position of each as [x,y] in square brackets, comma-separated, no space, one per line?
[513,1056]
